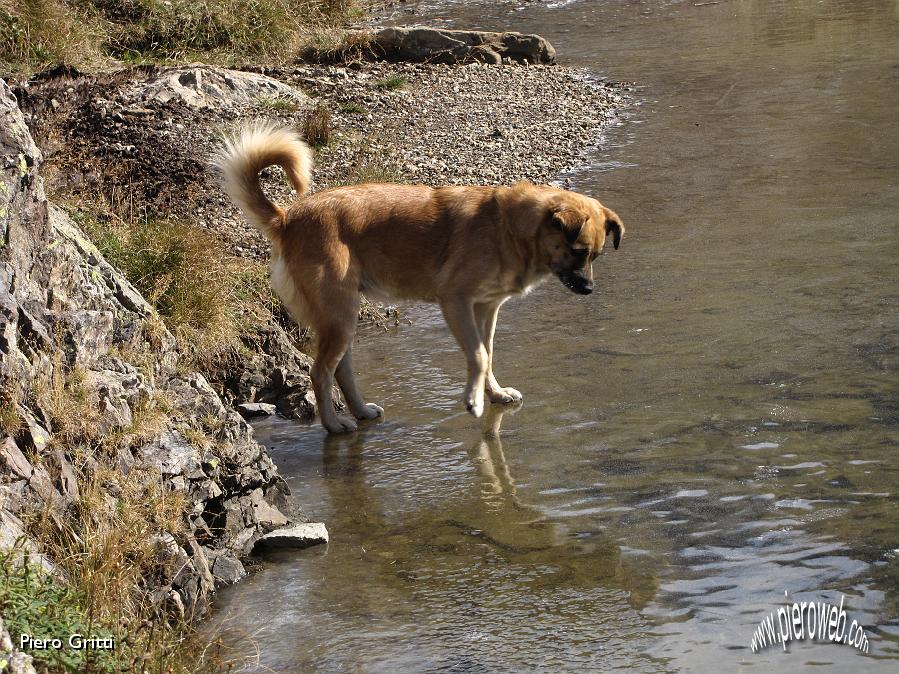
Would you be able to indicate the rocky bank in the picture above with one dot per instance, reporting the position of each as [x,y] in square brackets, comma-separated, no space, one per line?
[65,313]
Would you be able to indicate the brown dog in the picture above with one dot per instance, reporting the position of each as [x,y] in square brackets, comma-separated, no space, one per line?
[467,248]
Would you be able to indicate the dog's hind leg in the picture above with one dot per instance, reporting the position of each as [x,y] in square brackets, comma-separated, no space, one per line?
[333,341]
[486,314]
[459,315]
[347,382]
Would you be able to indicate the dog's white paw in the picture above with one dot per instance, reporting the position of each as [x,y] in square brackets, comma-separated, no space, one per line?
[340,424]
[505,395]
[370,411]
[475,406]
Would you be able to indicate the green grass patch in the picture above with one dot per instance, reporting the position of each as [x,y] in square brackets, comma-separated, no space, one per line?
[391,83]
[353,109]
[32,602]
[277,104]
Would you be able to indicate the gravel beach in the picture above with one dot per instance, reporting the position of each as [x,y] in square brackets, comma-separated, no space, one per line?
[122,137]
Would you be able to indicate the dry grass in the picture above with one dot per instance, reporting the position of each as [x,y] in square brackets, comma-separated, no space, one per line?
[103,543]
[37,33]
[330,44]
[92,33]
[10,421]
[369,170]
[317,126]
[206,296]
[105,550]
[70,407]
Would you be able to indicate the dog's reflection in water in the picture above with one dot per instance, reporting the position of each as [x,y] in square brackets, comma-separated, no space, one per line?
[452,532]
[497,483]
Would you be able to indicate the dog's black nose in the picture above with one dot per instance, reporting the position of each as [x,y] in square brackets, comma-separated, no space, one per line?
[586,289]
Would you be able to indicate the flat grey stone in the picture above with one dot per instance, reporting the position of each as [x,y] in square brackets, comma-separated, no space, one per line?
[297,536]
[249,410]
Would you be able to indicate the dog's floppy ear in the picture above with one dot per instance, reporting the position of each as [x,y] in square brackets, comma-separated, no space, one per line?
[615,228]
[567,222]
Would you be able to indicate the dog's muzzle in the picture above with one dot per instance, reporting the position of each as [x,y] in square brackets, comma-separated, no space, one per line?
[576,282]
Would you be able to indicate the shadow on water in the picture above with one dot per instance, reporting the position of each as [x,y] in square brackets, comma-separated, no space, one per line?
[714,427]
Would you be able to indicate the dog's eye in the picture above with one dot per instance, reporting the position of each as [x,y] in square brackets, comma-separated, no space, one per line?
[580,253]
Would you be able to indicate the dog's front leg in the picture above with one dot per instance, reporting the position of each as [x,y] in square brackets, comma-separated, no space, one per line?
[460,317]
[486,314]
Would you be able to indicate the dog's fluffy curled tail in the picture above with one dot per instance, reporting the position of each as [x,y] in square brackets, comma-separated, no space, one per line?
[243,155]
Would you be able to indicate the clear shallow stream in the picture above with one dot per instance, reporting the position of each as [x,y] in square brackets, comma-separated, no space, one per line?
[718,425]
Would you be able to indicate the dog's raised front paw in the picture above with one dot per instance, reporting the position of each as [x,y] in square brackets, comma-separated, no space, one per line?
[505,395]
[370,411]
[340,424]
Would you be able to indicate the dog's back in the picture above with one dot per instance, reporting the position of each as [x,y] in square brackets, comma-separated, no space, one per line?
[403,239]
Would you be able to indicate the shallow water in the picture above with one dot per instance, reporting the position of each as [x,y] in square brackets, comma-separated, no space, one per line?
[717,426]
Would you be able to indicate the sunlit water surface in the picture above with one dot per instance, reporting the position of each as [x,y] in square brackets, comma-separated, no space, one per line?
[718,425]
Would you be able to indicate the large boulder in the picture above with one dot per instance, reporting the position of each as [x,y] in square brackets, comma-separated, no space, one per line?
[437,45]
[210,87]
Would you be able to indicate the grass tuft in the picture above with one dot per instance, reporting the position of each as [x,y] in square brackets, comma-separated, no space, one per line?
[317,126]
[353,109]
[10,421]
[368,171]
[277,104]
[332,44]
[391,83]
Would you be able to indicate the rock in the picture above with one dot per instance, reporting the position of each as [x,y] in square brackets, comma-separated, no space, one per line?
[12,660]
[297,536]
[42,485]
[227,569]
[251,410]
[437,45]
[268,516]
[299,405]
[14,460]
[66,480]
[33,436]
[198,556]
[171,454]
[208,87]
[13,539]
[12,531]
[70,319]
[174,605]
[271,371]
